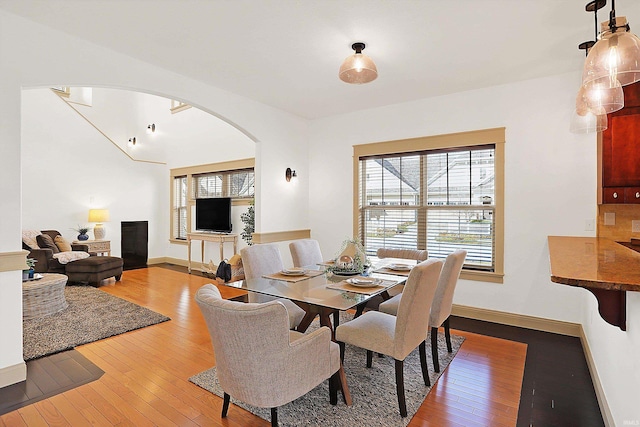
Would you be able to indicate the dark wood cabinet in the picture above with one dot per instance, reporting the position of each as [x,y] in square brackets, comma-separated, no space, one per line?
[620,175]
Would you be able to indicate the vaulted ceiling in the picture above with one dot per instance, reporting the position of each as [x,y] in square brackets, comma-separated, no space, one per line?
[286,53]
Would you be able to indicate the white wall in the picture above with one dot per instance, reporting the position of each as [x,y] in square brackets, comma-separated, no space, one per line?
[550,189]
[68,167]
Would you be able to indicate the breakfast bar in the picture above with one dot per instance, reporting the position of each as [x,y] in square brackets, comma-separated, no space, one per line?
[606,268]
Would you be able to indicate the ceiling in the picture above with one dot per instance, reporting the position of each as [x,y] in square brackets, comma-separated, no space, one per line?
[286,53]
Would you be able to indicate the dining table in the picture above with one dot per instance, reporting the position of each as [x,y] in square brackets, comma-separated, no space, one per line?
[320,292]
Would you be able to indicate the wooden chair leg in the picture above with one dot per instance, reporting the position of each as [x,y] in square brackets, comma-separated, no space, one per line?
[434,349]
[447,335]
[225,405]
[274,417]
[423,363]
[341,345]
[400,388]
[346,394]
[369,358]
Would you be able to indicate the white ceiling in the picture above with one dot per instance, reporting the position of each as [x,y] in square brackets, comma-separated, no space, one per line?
[286,53]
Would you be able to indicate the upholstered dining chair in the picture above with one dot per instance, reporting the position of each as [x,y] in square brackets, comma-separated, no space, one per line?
[262,259]
[397,336]
[259,360]
[382,253]
[442,302]
[305,252]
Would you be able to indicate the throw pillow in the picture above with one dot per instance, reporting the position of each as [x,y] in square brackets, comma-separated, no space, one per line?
[46,242]
[29,238]
[62,244]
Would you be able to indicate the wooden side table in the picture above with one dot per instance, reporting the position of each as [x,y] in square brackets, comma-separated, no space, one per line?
[221,238]
[100,247]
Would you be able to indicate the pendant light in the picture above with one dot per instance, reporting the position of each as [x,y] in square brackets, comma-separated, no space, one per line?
[616,55]
[358,68]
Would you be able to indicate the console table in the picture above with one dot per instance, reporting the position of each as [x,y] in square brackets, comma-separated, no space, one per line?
[100,247]
[221,238]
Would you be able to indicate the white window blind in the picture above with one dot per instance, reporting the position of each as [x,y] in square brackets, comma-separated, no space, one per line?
[179,214]
[439,200]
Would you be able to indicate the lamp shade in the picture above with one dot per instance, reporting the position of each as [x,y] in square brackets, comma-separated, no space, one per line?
[587,122]
[98,215]
[599,98]
[616,56]
[358,68]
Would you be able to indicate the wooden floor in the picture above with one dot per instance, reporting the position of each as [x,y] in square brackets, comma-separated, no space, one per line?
[146,371]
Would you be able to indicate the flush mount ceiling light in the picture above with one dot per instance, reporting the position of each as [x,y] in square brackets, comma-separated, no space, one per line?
[616,55]
[358,68]
[151,128]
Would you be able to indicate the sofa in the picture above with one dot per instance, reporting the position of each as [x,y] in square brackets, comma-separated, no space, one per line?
[43,253]
[55,255]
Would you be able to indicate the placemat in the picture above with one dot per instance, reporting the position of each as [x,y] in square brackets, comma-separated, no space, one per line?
[345,286]
[386,270]
[279,276]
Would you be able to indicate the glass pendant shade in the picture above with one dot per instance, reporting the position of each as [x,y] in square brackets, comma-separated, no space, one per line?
[358,68]
[587,123]
[599,98]
[616,56]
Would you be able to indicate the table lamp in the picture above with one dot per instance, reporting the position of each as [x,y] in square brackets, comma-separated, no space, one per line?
[99,216]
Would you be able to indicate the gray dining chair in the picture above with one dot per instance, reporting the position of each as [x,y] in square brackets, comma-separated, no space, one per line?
[262,259]
[397,336]
[305,252]
[442,302]
[398,253]
[259,360]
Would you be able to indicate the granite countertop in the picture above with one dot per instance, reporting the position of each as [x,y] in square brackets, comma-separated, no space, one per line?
[594,262]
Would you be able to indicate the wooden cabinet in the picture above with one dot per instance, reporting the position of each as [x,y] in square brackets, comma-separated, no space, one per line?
[620,155]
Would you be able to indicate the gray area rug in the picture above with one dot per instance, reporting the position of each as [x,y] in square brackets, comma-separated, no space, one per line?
[373,391]
[92,315]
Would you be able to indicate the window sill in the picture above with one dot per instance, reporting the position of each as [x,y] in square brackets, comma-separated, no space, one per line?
[178,241]
[482,276]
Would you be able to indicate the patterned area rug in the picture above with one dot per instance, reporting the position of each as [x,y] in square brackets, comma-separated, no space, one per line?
[92,315]
[373,391]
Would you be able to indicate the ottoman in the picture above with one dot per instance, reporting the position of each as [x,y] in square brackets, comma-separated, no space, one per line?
[94,269]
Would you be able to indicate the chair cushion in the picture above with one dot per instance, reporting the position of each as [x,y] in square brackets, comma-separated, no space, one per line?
[373,331]
[46,242]
[62,244]
[390,306]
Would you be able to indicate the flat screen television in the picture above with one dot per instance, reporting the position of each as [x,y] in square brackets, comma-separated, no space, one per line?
[214,215]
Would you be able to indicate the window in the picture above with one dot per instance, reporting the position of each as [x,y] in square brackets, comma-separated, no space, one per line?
[177,106]
[179,212]
[235,179]
[437,193]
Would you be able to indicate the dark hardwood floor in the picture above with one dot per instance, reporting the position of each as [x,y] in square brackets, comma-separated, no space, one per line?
[556,389]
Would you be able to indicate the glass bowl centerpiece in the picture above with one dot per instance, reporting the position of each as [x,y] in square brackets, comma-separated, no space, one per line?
[351,261]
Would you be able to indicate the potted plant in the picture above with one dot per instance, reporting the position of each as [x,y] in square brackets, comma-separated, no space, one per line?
[28,274]
[82,232]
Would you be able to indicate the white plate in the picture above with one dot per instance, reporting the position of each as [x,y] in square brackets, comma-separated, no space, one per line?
[400,267]
[294,272]
[363,283]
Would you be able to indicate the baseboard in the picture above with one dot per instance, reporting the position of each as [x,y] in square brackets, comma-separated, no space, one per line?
[13,374]
[605,410]
[519,320]
[168,260]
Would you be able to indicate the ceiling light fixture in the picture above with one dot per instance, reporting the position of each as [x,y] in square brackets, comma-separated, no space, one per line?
[151,128]
[615,58]
[358,68]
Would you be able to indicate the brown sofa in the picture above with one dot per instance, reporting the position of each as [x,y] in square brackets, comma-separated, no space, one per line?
[90,270]
[46,263]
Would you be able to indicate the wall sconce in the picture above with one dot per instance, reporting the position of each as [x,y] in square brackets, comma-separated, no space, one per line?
[289,174]
[132,141]
[151,128]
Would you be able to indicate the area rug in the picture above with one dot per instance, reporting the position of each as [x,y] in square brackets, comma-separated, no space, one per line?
[92,315]
[373,391]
